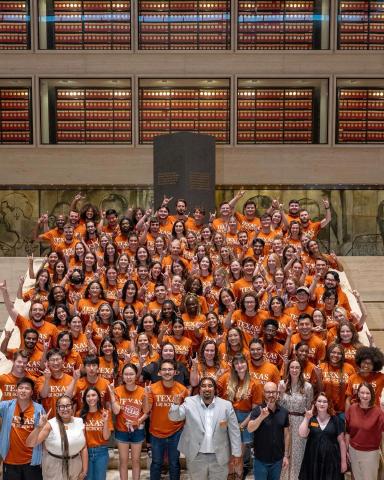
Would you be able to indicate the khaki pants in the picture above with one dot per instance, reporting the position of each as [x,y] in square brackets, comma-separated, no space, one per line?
[365,465]
[52,467]
[205,467]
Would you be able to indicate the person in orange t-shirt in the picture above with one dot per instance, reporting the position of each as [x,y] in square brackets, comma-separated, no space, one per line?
[234,343]
[305,334]
[182,344]
[127,405]
[109,364]
[97,427]
[369,361]
[92,379]
[259,368]
[274,351]
[244,393]
[244,284]
[247,319]
[47,331]
[165,434]
[193,320]
[55,383]
[19,418]
[8,381]
[335,374]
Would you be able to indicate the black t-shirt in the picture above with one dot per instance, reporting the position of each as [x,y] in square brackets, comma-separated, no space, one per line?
[150,373]
[268,439]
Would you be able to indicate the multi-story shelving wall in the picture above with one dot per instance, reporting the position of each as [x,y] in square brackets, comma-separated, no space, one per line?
[309,53]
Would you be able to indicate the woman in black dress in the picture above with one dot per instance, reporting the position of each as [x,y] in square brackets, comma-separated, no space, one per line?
[325,451]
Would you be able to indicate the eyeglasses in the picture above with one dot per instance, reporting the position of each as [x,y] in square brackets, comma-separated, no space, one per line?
[66,406]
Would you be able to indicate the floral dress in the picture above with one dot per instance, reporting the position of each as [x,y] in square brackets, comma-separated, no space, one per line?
[296,403]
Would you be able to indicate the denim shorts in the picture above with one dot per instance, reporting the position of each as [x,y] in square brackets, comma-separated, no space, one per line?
[246,437]
[137,436]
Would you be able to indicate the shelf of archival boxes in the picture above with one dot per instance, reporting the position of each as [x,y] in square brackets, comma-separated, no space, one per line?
[23,308]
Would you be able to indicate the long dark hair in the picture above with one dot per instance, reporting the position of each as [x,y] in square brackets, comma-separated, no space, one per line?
[63,437]
[115,357]
[85,408]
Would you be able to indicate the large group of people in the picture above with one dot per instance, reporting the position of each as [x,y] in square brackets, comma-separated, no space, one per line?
[228,337]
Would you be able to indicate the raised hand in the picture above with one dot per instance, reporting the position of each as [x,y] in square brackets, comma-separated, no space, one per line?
[105,415]
[8,333]
[309,413]
[47,372]
[43,419]
[264,412]
[148,388]
[326,202]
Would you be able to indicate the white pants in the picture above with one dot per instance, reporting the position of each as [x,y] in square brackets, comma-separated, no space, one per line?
[365,465]
[205,467]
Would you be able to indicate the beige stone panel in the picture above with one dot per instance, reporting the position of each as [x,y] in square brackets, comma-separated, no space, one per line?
[375,319]
[365,274]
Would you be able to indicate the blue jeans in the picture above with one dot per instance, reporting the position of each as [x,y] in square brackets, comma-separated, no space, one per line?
[266,471]
[97,463]
[159,447]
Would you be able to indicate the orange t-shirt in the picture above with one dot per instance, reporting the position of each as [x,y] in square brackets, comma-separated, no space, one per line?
[33,368]
[189,328]
[267,372]
[122,243]
[283,320]
[67,248]
[376,379]
[214,372]
[160,400]
[8,383]
[33,293]
[107,369]
[47,331]
[54,237]
[19,454]
[316,347]
[294,313]
[250,326]
[242,286]
[86,308]
[122,348]
[248,225]
[72,361]
[131,406]
[99,331]
[101,385]
[227,356]
[335,383]
[94,426]
[57,388]
[273,353]
[183,348]
[350,354]
[312,229]
[247,401]
[80,345]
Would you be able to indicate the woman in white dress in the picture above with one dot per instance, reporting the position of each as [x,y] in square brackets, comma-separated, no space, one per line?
[65,455]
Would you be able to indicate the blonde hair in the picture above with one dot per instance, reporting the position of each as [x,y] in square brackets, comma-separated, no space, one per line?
[235,392]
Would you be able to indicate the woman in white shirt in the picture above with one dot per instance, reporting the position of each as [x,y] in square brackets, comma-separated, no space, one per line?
[65,454]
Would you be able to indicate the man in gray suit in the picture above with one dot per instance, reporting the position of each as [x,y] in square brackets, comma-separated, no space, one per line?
[211,434]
